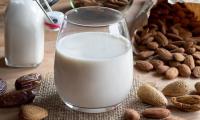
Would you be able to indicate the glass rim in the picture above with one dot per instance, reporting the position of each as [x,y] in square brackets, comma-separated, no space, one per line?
[122,16]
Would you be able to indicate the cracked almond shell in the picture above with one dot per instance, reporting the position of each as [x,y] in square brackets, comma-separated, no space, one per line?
[187,103]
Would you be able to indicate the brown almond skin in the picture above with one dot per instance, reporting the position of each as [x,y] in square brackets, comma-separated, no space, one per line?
[174,30]
[171,73]
[184,70]
[162,69]
[145,54]
[174,37]
[196,72]
[163,26]
[197,62]
[156,63]
[188,44]
[178,50]
[179,57]
[171,46]
[156,113]
[152,45]
[164,54]
[191,50]
[144,65]
[161,39]
[196,55]
[189,60]
[148,40]
[174,63]
[197,47]
[178,43]
[131,114]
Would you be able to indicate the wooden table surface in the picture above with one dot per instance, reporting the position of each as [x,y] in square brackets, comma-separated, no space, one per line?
[10,74]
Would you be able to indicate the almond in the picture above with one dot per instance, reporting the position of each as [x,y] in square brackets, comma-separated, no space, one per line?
[131,114]
[197,87]
[190,50]
[178,43]
[188,44]
[161,39]
[187,103]
[152,97]
[156,113]
[189,60]
[144,65]
[174,37]
[196,55]
[178,50]
[174,30]
[163,26]
[171,73]
[197,62]
[185,34]
[141,48]
[148,40]
[32,112]
[145,54]
[162,69]
[197,47]
[164,54]
[174,63]
[152,45]
[184,70]
[146,36]
[171,46]
[179,57]
[156,63]
[196,72]
[177,88]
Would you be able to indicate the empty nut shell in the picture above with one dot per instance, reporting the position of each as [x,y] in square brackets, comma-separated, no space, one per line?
[187,103]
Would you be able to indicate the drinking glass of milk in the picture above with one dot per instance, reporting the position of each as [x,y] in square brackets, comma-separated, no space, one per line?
[93,61]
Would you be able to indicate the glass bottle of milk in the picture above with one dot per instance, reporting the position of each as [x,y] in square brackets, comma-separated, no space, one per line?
[24,34]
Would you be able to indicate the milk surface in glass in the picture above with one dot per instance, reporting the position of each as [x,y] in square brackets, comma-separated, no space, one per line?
[93,69]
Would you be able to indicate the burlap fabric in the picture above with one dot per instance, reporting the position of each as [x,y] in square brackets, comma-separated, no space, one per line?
[49,99]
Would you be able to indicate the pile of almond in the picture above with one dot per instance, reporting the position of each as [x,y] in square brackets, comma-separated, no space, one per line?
[170,43]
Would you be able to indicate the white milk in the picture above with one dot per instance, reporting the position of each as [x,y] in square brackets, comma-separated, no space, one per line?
[24,34]
[93,69]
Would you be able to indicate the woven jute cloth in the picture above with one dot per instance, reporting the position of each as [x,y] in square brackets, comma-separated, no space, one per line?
[49,99]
